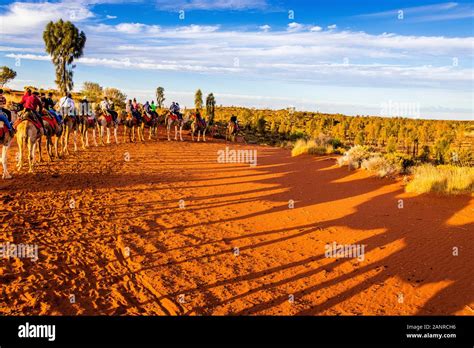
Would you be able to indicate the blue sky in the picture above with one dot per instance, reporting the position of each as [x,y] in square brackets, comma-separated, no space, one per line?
[352,57]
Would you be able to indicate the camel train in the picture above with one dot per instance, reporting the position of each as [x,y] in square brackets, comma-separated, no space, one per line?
[30,131]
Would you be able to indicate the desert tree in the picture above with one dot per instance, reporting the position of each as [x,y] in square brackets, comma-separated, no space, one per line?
[210,107]
[116,96]
[198,100]
[160,97]
[64,43]
[6,75]
[92,91]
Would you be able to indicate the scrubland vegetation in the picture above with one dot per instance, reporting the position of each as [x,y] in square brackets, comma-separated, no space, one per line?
[439,155]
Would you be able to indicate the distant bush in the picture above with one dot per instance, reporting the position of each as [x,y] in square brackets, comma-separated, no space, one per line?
[335,143]
[401,160]
[317,150]
[354,156]
[382,166]
[444,179]
[322,139]
[310,147]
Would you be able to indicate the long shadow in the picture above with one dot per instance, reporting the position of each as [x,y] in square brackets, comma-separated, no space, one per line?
[426,258]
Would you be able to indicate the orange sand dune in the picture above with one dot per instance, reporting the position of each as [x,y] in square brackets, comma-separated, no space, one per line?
[235,247]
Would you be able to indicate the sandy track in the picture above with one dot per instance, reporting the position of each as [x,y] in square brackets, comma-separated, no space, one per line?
[186,261]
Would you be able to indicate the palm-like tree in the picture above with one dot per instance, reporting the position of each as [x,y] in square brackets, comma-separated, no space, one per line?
[160,96]
[198,99]
[210,107]
[64,42]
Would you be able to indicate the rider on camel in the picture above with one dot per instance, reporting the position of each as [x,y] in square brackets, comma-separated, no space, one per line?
[233,119]
[32,103]
[174,109]
[107,108]
[48,104]
[5,114]
[136,110]
[66,106]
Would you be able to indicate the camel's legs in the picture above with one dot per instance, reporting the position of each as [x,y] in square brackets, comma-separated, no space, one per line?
[21,142]
[87,137]
[40,150]
[93,135]
[56,140]
[5,174]
[31,154]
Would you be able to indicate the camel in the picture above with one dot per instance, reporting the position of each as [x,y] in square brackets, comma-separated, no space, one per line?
[231,131]
[85,123]
[6,140]
[200,125]
[173,120]
[70,123]
[53,129]
[105,121]
[149,121]
[30,135]
[129,125]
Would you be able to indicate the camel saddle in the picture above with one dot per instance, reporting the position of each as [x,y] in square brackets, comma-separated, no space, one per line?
[147,117]
[51,120]
[26,117]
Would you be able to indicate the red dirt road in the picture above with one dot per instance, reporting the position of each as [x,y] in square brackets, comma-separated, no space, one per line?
[127,247]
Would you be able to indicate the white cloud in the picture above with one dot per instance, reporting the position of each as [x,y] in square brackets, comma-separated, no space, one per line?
[428,13]
[332,26]
[237,5]
[111,17]
[25,17]
[293,27]
[265,28]
[315,28]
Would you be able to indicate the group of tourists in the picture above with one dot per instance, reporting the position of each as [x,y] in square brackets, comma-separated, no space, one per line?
[41,104]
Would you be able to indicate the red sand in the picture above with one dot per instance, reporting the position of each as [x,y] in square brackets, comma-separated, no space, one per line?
[183,260]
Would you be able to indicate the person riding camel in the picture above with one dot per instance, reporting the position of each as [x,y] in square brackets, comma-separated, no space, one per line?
[25,97]
[175,110]
[234,120]
[104,106]
[136,110]
[107,108]
[146,107]
[33,104]
[49,104]
[5,114]
[129,107]
[153,106]
[66,106]
[84,107]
